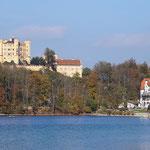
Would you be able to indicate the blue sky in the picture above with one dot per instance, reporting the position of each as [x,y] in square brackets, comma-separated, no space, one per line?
[91,30]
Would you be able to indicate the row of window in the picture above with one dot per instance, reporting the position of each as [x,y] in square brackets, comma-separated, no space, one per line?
[8,49]
[146,103]
[9,54]
[69,69]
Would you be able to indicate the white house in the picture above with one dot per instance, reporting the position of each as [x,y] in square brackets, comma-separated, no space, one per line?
[145,93]
[129,105]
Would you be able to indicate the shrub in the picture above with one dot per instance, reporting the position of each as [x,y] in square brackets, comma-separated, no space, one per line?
[87,109]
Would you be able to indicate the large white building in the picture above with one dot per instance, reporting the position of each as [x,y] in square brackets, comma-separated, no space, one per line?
[69,67]
[145,93]
[13,50]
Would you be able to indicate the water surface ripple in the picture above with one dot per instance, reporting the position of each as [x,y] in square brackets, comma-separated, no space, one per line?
[74,133]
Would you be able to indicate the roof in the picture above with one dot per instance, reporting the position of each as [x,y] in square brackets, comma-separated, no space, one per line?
[73,62]
[143,82]
[11,41]
[8,42]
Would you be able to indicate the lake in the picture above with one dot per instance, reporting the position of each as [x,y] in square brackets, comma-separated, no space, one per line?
[74,133]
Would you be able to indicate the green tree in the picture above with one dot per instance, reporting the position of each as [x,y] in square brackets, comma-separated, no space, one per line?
[86,72]
[50,59]
[38,61]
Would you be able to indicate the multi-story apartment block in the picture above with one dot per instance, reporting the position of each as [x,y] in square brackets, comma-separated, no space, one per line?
[145,93]
[14,51]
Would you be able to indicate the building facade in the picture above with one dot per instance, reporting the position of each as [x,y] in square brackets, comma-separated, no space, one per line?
[69,67]
[145,93]
[14,51]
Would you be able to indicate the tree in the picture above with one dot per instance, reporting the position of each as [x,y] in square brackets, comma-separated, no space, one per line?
[148,109]
[39,86]
[105,86]
[38,61]
[104,71]
[50,59]
[86,72]
[143,68]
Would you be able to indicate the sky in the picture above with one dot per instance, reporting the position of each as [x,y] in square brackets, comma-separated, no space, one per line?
[89,30]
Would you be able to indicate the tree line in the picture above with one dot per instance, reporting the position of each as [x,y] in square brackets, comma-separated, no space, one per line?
[104,87]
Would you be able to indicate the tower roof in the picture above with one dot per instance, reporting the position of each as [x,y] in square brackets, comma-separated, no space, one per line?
[143,83]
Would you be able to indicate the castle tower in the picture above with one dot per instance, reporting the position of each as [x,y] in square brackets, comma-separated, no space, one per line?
[9,50]
[1,50]
[25,51]
[14,51]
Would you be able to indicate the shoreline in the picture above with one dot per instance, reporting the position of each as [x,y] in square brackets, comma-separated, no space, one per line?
[142,115]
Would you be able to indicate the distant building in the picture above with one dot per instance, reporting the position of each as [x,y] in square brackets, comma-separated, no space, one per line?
[69,67]
[14,51]
[145,93]
[129,105]
[19,52]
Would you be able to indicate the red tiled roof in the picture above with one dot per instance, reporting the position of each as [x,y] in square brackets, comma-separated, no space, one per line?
[143,83]
[68,62]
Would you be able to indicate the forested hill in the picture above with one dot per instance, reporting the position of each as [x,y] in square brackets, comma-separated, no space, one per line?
[105,86]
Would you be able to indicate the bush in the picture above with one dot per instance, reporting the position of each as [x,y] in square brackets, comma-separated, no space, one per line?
[87,109]
[92,104]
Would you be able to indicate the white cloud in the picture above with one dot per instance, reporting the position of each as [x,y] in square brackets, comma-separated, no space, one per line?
[124,40]
[40,32]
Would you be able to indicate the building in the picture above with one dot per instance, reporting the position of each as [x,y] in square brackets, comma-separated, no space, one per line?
[69,67]
[19,52]
[145,93]
[129,105]
[14,51]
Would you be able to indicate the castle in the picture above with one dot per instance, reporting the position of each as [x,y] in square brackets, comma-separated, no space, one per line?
[15,51]
[19,53]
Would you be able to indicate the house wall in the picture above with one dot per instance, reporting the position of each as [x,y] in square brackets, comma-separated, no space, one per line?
[65,70]
[70,70]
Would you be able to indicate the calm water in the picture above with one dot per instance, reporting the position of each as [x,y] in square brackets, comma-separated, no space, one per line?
[74,133]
